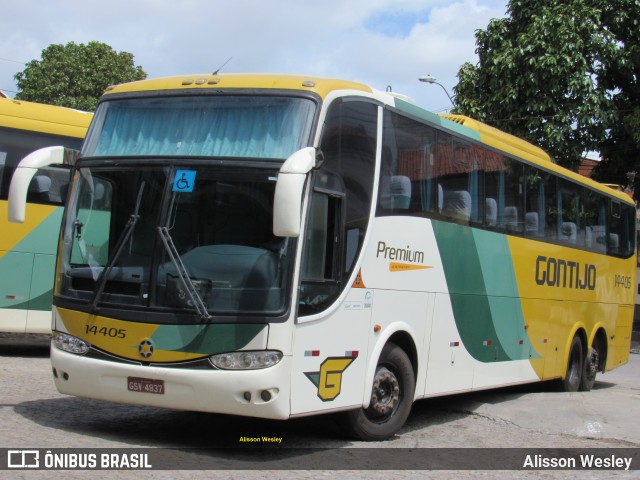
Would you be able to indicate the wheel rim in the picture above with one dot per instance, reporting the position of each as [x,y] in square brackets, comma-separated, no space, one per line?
[385,395]
[592,364]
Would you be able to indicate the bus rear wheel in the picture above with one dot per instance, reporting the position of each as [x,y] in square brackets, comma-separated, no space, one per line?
[575,367]
[591,367]
[391,398]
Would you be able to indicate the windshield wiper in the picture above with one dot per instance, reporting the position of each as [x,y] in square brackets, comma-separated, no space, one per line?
[124,237]
[170,247]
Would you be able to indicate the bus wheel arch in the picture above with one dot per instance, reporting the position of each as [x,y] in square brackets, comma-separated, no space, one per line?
[403,340]
[392,392]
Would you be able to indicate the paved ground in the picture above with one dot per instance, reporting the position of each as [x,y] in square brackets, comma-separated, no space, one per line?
[34,415]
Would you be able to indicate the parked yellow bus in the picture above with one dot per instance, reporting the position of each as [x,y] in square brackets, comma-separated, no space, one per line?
[27,251]
[282,246]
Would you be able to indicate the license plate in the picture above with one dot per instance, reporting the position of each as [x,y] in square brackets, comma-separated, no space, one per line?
[145,385]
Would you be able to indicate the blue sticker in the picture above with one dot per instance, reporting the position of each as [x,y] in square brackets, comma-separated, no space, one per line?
[184,181]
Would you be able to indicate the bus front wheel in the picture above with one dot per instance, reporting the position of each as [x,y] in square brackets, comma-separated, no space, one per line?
[575,367]
[391,398]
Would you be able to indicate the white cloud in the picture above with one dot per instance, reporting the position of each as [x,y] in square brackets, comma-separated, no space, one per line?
[379,42]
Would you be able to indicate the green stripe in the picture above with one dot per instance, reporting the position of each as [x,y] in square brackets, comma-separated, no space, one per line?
[421,114]
[501,284]
[41,303]
[484,293]
[207,339]
[43,238]
[27,270]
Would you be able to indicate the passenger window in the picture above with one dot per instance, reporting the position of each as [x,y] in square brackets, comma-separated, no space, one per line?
[454,165]
[504,189]
[621,229]
[594,215]
[535,219]
[513,217]
[406,178]
[429,172]
[570,229]
[49,186]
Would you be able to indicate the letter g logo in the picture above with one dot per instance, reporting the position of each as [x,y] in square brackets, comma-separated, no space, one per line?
[329,378]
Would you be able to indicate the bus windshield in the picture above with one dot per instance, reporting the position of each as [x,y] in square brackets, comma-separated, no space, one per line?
[236,126]
[191,239]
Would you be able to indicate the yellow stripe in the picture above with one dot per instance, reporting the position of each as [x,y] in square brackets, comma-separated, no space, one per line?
[321,86]
[404,267]
[14,233]
[107,334]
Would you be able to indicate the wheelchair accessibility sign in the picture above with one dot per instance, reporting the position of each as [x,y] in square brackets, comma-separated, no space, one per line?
[184,181]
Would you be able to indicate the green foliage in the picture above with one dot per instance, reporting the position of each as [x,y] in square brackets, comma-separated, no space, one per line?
[621,75]
[75,75]
[546,73]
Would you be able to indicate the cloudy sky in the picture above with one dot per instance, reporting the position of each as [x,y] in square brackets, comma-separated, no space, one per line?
[378,42]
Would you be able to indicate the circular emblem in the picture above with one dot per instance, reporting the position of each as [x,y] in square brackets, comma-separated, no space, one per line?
[145,348]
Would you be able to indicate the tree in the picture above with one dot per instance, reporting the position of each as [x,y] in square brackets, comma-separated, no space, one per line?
[539,75]
[75,75]
[621,149]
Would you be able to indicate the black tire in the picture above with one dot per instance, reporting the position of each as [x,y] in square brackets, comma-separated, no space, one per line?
[575,367]
[391,398]
[591,367]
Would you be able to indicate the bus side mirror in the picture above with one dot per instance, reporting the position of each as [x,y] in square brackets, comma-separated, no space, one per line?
[287,203]
[25,171]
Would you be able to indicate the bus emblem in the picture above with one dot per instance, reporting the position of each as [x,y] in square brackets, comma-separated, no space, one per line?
[329,378]
[145,348]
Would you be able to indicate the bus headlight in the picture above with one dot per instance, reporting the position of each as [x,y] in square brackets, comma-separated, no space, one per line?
[70,344]
[246,360]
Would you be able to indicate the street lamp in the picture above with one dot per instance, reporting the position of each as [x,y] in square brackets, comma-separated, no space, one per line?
[430,79]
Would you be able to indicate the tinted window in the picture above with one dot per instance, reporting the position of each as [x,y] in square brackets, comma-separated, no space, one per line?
[49,185]
[428,172]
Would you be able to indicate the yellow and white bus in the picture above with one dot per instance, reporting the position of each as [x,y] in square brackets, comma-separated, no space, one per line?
[282,246]
[28,251]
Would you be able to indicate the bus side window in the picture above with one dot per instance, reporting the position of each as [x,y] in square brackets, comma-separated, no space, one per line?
[39,189]
[550,207]
[456,174]
[49,186]
[512,216]
[621,229]
[395,190]
[504,194]
[320,268]
[534,203]
[570,225]
[595,221]
[3,167]
[406,182]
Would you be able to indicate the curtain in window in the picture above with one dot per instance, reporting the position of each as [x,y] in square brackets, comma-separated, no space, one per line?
[261,127]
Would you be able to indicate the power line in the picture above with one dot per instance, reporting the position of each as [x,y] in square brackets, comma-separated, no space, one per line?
[12,61]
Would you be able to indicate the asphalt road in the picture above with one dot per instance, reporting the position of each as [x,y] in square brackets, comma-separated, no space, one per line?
[34,415]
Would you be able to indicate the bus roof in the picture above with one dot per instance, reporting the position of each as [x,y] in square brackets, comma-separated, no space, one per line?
[499,139]
[37,117]
[320,86]
[324,86]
